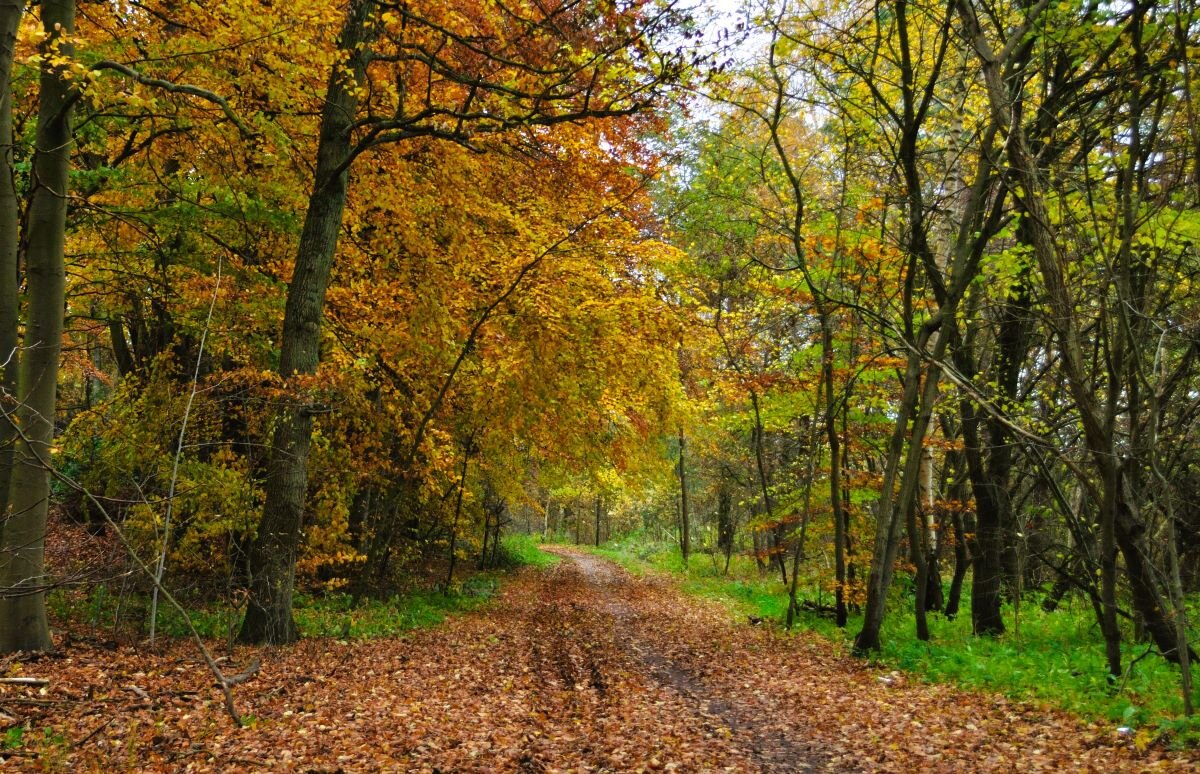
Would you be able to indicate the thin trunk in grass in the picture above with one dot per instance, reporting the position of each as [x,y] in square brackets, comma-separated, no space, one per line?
[836,504]
[921,562]
[462,484]
[764,487]
[962,557]
[798,552]
[725,525]
[23,624]
[685,546]
[597,521]
[1178,602]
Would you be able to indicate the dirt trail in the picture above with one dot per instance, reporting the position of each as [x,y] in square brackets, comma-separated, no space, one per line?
[576,668]
[765,748]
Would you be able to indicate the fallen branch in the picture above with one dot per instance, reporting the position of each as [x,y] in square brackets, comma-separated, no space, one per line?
[94,731]
[242,677]
[36,682]
[141,694]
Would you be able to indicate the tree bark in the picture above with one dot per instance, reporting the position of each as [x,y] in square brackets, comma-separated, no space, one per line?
[10,18]
[777,553]
[458,503]
[921,562]
[685,542]
[23,624]
[891,507]
[836,506]
[725,524]
[272,559]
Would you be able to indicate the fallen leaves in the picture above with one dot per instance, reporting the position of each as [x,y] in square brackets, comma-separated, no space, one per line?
[576,668]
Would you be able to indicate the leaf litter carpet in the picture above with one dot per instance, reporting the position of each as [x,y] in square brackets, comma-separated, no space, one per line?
[579,667]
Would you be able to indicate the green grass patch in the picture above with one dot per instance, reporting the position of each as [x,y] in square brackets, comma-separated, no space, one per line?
[526,550]
[1054,658]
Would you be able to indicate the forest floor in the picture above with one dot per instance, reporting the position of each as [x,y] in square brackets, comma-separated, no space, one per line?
[578,667]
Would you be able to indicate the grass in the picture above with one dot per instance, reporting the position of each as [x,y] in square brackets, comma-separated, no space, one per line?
[325,615]
[524,550]
[1054,658]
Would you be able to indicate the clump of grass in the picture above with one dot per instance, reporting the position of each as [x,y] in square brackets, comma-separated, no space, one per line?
[525,550]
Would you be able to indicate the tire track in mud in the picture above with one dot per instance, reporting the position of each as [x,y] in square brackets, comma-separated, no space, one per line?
[614,619]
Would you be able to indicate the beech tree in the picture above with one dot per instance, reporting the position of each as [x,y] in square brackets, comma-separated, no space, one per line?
[449,76]
[23,623]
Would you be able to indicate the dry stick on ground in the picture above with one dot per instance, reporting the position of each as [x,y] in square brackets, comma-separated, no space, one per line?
[222,681]
[36,682]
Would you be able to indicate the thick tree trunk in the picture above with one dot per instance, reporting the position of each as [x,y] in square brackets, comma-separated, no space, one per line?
[10,18]
[272,560]
[989,464]
[1151,606]
[986,587]
[23,624]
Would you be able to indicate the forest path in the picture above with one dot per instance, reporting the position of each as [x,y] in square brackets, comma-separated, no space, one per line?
[577,667]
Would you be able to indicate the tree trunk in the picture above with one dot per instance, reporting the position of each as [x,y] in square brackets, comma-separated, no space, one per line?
[962,562]
[685,539]
[891,508]
[10,18]
[757,538]
[988,581]
[765,488]
[272,559]
[23,624]
[725,525]
[837,509]
[920,561]
[462,485]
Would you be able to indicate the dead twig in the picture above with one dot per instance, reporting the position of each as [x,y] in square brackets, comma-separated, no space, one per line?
[36,682]
[141,694]
[94,731]
[242,677]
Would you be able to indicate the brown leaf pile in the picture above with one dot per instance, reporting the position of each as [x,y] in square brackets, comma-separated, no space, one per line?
[579,668]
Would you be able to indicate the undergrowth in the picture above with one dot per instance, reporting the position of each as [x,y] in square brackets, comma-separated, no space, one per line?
[1054,658]
[317,615]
